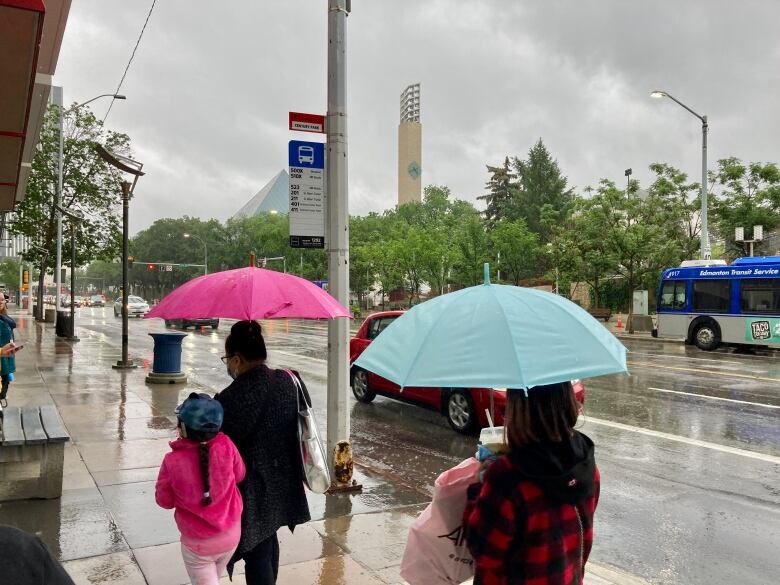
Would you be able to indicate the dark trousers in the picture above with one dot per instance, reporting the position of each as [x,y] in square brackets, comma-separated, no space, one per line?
[4,386]
[262,563]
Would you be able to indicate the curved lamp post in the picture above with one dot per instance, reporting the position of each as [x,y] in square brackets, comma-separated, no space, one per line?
[132,167]
[205,252]
[705,236]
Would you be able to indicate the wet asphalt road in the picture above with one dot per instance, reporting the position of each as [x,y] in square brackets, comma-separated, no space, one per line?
[688,446]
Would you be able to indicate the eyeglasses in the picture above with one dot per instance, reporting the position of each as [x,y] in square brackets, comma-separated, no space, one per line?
[226,358]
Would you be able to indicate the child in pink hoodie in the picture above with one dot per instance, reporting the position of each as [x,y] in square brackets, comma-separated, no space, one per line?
[198,478]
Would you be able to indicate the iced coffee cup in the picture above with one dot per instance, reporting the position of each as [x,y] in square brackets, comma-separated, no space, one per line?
[492,438]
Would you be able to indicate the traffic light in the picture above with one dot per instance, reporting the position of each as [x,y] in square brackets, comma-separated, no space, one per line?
[130,260]
[150,267]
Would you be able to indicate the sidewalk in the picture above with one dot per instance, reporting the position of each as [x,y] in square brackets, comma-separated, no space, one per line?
[107,529]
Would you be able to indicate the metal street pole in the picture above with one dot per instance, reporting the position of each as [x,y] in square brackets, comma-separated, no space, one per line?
[125,363]
[705,234]
[338,235]
[72,326]
[57,100]
[705,251]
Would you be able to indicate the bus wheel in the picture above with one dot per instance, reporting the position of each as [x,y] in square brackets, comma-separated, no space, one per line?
[707,336]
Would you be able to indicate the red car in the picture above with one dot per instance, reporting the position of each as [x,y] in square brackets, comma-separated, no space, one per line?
[463,407]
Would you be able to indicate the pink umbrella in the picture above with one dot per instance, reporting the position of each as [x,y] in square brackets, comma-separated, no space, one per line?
[248,293]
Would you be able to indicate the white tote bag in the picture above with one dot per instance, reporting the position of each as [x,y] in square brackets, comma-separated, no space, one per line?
[316,475]
[436,550]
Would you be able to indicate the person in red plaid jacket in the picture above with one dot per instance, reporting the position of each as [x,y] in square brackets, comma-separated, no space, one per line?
[529,520]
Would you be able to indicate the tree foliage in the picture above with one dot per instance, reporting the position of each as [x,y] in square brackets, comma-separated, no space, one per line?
[747,195]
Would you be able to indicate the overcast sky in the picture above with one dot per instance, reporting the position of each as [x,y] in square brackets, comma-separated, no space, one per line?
[211,85]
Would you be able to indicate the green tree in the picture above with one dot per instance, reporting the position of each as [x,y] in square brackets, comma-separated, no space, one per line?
[472,250]
[539,183]
[9,274]
[106,275]
[636,232]
[518,247]
[501,188]
[683,206]
[748,195]
[89,185]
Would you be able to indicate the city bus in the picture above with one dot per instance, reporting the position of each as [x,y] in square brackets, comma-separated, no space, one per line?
[710,303]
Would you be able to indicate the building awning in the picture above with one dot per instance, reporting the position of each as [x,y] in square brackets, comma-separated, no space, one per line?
[21,28]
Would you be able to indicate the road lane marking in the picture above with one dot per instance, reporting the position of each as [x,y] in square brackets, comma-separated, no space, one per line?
[714,397]
[688,441]
[685,357]
[724,374]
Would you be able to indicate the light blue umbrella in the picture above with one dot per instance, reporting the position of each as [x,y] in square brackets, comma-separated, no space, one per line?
[493,336]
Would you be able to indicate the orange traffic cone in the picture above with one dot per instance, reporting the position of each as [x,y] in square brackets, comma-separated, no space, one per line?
[620,322]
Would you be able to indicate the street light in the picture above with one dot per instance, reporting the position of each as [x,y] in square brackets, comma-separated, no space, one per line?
[74,215]
[133,167]
[205,252]
[705,236]
[58,101]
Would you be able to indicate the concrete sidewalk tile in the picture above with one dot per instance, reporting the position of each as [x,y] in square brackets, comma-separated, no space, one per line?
[331,570]
[163,564]
[112,569]
[305,544]
[368,531]
[75,526]
[602,574]
[124,429]
[112,456]
[142,522]
[142,474]
[75,473]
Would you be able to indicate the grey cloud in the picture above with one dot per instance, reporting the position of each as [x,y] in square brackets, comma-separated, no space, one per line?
[209,91]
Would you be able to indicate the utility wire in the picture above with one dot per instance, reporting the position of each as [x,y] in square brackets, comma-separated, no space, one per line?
[132,56]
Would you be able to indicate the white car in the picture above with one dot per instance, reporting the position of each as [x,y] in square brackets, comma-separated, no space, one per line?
[136,307]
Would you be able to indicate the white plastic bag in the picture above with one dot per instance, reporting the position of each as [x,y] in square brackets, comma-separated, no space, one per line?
[436,550]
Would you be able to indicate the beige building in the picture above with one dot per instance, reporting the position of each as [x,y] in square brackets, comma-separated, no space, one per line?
[410,147]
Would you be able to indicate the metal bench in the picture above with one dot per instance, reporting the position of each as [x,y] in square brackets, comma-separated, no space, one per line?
[31,453]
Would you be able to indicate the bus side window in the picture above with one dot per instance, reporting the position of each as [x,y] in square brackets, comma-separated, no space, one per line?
[760,296]
[712,296]
[673,295]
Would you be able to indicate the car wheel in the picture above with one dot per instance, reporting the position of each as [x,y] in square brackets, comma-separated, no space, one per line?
[460,411]
[707,337]
[361,388]
[215,325]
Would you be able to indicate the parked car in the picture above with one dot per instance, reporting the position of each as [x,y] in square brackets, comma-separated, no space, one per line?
[136,307]
[97,301]
[184,323]
[464,408]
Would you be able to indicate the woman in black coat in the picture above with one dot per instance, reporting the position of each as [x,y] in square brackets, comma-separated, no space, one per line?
[261,408]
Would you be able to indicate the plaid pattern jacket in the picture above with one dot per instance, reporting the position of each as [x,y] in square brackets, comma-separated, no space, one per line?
[520,536]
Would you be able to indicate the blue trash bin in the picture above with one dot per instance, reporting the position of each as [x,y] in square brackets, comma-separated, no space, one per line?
[167,358]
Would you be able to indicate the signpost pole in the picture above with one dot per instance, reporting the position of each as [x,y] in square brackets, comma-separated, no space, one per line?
[337,224]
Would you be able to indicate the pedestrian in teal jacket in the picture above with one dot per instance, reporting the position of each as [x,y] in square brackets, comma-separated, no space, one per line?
[7,363]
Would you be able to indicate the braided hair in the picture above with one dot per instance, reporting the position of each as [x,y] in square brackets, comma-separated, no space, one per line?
[203,439]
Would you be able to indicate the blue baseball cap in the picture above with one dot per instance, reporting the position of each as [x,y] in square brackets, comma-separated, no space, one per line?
[200,412]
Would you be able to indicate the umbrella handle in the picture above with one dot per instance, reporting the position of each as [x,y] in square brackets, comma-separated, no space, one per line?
[486,272]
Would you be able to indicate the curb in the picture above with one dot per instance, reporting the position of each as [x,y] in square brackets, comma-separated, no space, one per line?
[605,574]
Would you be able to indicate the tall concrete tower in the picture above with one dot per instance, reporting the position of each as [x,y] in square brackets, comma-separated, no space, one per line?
[410,147]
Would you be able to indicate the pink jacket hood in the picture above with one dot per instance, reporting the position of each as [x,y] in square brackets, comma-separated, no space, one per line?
[180,486]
